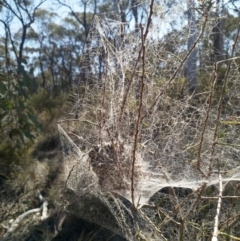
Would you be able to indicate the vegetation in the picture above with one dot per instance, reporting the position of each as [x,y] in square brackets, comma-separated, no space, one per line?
[121,116]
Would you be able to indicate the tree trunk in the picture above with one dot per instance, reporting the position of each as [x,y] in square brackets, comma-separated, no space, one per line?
[218,36]
[135,13]
[7,59]
[119,38]
[191,63]
[20,52]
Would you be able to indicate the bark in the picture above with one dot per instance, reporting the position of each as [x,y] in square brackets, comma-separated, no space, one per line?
[191,63]
[218,36]
[135,12]
[26,16]
[119,38]
[7,59]
[42,72]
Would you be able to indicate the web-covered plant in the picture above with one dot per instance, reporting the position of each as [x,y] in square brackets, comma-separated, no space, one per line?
[140,152]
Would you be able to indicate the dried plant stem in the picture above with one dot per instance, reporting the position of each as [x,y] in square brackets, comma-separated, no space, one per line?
[175,201]
[197,200]
[167,218]
[230,236]
[233,219]
[184,59]
[144,37]
[210,99]
[153,225]
[220,103]
[139,115]
[78,120]
[137,130]
[224,197]
[215,232]
[102,114]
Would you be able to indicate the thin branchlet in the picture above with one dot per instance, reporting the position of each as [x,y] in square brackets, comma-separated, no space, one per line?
[138,60]
[220,103]
[173,77]
[139,114]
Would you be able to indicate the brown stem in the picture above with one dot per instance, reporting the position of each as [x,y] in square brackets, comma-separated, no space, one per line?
[210,99]
[220,103]
[183,61]
[139,116]
[137,129]
[149,20]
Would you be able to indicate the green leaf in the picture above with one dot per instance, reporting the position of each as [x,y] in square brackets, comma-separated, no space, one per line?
[14,132]
[22,138]
[14,110]
[21,105]
[6,105]
[21,91]
[34,85]
[28,135]
[24,61]
[34,120]
[3,87]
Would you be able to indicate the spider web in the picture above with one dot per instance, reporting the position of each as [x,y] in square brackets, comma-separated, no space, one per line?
[98,132]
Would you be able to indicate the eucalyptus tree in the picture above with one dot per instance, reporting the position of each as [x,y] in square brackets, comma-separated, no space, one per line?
[58,47]
[85,17]
[233,5]
[23,12]
[38,36]
[229,30]
[191,64]
[134,8]
[217,33]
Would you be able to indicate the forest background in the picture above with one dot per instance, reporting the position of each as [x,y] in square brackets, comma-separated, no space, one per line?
[44,58]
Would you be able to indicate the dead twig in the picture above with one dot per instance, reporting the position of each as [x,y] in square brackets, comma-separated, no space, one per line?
[139,115]
[215,232]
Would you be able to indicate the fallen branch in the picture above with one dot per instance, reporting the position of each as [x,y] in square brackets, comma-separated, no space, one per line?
[44,210]
[44,207]
[17,221]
